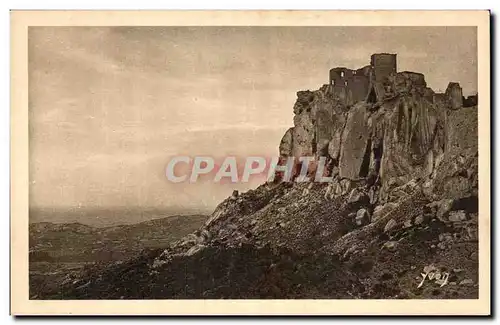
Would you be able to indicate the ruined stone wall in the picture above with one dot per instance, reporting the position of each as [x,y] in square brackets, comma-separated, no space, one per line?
[359,86]
[354,82]
[470,101]
[355,85]
[454,93]
[339,76]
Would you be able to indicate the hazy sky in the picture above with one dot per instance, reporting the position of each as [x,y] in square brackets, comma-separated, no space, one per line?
[110,105]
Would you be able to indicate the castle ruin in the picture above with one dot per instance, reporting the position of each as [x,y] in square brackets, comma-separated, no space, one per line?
[376,81]
[364,83]
[374,122]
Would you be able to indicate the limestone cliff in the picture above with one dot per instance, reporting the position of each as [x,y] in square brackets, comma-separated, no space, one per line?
[396,133]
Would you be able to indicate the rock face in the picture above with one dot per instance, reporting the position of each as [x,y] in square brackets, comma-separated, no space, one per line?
[356,142]
[318,119]
[398,131]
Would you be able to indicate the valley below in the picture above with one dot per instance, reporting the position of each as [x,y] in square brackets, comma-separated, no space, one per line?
[61,252]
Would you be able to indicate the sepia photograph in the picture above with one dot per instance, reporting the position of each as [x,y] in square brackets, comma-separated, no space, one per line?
[273,161]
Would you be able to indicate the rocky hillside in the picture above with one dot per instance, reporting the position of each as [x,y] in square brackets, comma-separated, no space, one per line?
[76,242]
[403,201]
[59,252]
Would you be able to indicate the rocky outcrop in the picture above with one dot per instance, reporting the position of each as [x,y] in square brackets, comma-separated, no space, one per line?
[412,137]
[286,143]
[457,173]
[319,118]
[398,133]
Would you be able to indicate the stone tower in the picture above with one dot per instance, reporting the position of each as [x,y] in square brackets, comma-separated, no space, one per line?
[383,65]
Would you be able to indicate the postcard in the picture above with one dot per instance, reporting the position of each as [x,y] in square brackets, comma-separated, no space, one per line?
[250,163]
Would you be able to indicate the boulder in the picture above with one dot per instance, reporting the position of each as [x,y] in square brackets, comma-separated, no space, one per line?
[419,220]
[390,245]
[195,249]
[466,282]
[377,211]
[382,210]
[338,189]
[358,196]
[443,208]
[362,217]
[457,216]
[330,191]
[345,185]
[391,225]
